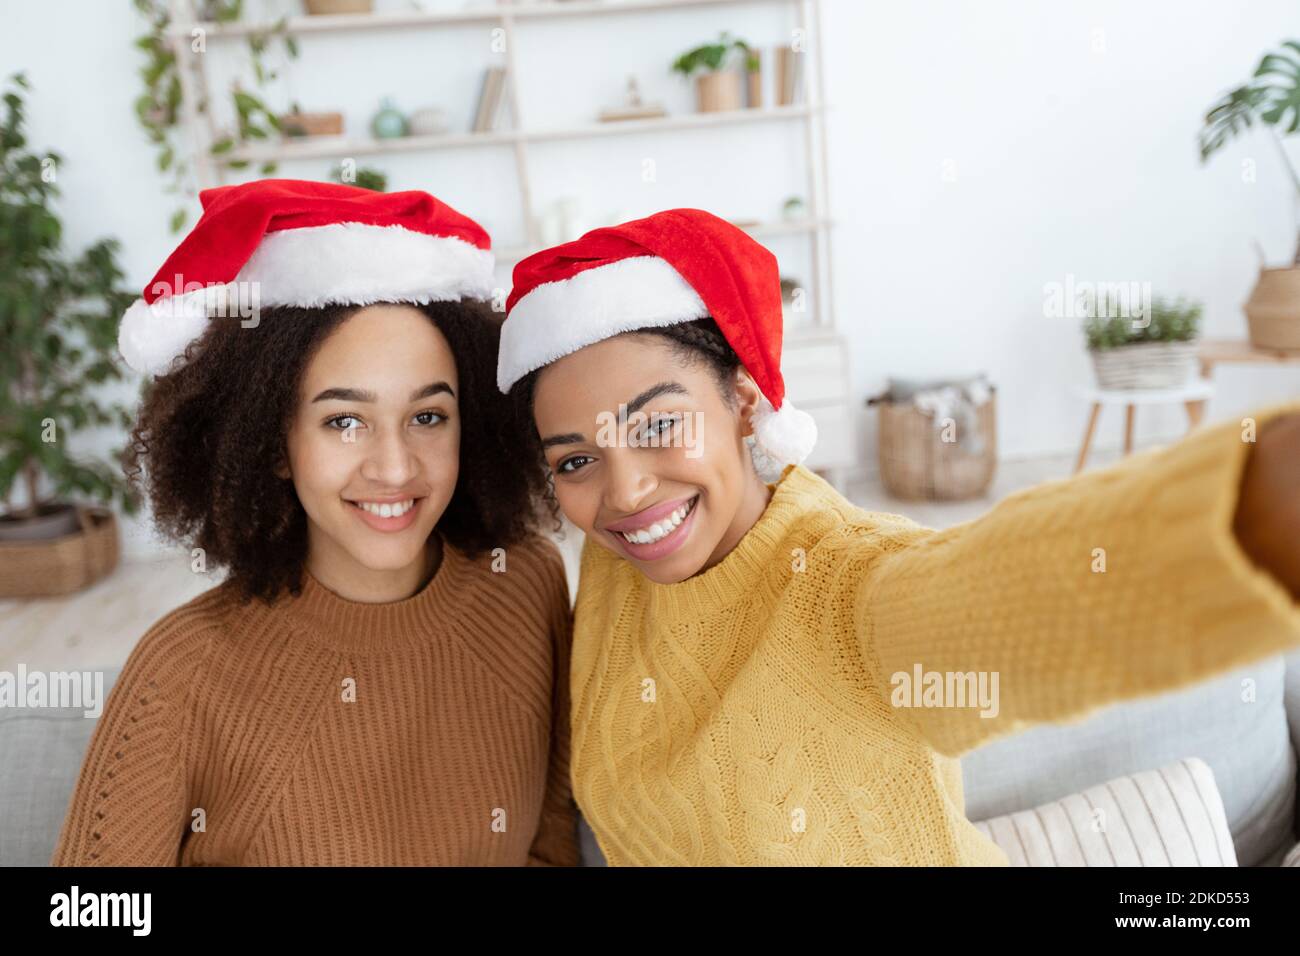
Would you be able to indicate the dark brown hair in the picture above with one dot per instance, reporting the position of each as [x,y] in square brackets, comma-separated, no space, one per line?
[210,435]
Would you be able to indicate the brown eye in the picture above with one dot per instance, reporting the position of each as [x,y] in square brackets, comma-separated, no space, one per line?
[343,422]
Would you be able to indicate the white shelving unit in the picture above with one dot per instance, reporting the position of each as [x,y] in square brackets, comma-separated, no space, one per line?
[821,386]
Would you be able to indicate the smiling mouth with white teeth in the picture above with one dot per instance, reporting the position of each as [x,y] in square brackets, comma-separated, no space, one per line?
[394,510]
[662,528]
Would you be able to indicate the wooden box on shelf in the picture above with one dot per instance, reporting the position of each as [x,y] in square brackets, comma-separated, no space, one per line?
[331,7]
[297,125]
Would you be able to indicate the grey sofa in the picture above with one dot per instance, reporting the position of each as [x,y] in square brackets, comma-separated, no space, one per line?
[1245,725]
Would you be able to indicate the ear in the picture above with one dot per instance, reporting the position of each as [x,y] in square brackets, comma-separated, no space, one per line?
[281,469]
[748,396]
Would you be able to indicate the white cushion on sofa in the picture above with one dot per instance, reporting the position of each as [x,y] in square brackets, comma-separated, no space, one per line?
[1245,741]
[1171,816]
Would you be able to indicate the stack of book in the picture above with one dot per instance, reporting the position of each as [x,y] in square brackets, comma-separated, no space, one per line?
[490,98]
[789,76]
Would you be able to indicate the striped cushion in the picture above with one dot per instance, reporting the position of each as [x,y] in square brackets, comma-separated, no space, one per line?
[1167,817]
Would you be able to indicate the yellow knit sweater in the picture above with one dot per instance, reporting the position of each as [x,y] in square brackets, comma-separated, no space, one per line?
[747,715]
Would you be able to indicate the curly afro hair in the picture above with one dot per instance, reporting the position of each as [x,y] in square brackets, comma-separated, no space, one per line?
[210,434]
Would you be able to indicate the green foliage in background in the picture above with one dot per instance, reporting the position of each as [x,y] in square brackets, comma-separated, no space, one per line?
[1176,321]
[58,321]
[158,107]
[712,57]
[1271,99]
[364,176]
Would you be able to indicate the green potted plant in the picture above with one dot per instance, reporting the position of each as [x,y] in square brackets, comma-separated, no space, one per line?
[58,320]
[1270,100]
[1160,354]
[364,176]
[717,84]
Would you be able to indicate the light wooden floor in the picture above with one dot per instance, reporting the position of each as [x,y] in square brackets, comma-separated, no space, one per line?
[97,628]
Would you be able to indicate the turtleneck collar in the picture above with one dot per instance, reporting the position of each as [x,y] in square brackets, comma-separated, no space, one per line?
[753,558]
[356,626]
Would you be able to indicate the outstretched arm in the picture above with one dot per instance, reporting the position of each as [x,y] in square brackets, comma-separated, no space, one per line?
[1170,567]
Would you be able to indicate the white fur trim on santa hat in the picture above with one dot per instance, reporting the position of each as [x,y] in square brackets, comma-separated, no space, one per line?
[782,437]
[338,264]
[558,318]
[355,264]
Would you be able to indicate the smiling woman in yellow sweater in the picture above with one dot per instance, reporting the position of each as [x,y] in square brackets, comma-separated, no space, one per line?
[381,678]
[743,649]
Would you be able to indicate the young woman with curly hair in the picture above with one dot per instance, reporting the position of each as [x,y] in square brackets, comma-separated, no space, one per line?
[381,678]
[745,639]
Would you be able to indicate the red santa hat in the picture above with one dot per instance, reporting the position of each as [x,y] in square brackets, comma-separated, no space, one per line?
[279,242]
[672,267]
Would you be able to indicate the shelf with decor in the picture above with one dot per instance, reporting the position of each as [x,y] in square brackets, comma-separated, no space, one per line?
[487,13]
[336,147]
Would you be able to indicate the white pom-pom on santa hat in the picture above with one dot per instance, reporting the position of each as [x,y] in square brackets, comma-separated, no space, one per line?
[672,267]
[152,336]
[786,434]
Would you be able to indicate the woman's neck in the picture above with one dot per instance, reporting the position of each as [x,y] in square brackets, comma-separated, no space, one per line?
[753,502]
[343,575]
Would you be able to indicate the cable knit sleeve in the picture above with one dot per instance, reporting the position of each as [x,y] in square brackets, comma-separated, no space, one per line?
[556,842]
[1076,594]
[130,806]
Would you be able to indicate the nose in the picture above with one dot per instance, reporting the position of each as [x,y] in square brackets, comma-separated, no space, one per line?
[629,484]
[389,462]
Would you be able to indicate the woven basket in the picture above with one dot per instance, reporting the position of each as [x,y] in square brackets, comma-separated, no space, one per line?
[916,463]
[1145,365]
[61,565]
[1273,310]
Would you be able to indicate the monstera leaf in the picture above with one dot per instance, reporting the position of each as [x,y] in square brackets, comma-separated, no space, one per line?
[1235,112]
[1272,98]
[1279,80]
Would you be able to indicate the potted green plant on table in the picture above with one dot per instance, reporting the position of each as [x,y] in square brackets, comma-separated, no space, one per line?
[717,84]
[1270,100]
[58,320]
[1127,354]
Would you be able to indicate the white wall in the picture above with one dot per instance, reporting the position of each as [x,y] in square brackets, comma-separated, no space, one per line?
[1066,160]
[1068,130]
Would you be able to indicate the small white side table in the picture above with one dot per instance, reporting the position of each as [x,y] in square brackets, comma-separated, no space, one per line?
[1192,396]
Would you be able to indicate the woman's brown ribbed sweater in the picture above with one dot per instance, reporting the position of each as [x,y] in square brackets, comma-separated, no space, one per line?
[320,731]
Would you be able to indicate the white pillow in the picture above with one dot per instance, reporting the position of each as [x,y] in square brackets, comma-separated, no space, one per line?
[1171,816]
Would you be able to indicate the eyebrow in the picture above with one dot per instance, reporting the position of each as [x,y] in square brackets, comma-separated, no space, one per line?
[654,391]
[360,395]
